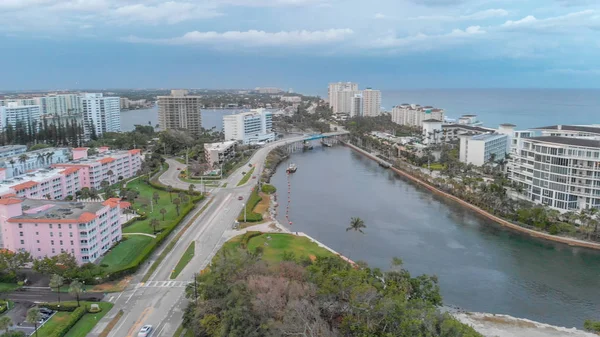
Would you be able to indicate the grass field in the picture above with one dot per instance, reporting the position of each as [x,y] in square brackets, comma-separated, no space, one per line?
[57,320]
[435,166]
[280,243]
[88,321]
[185,259]
[251,203]
[125,252]
[246,177]
[6,287]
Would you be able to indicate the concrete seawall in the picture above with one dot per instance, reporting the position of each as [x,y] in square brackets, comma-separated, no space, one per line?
[505,223]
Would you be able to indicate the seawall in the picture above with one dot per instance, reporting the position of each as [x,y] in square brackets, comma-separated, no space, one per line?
[505,223]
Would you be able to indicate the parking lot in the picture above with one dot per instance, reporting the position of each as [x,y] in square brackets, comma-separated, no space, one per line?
[18,315]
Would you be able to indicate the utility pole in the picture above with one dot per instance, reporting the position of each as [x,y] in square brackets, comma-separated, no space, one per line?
[165,148]
[244,205]
[195,288]
[187,157]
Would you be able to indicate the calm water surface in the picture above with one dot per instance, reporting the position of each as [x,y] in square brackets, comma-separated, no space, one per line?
[481,266]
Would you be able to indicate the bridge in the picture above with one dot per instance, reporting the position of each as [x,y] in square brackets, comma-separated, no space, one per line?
[327,139]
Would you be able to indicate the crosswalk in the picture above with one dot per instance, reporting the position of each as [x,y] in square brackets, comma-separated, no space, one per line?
[165,284]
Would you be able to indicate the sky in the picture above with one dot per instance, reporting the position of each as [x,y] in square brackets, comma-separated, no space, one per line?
[299,44]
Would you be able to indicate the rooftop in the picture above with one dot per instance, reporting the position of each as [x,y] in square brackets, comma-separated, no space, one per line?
[467,127]
[31,179]
[218,146]
[580,128]
[508,125]
[568,141]
[103,158]
[55,211]
[11,147]
[488,136]
[431,120]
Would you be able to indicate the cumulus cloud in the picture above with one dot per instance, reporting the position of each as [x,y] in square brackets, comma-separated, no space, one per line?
[587,18]
[481,15]
[170,12]
[438,2]
[379,16]
[254,38]
[425,41]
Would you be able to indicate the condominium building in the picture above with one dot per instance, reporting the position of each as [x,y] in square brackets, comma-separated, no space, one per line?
[254,126]
[569,130]
[26,116]
[111,166]
[267,90]
[180,111]
[60,105]
[356,108]
[218,153]
[48,228]
[341,95]
[432,132]
[101,113]
[454,131]
[12,150]
[22,163]
[414,114]
[481,149]
[557,171]
[371,102]
[54,183]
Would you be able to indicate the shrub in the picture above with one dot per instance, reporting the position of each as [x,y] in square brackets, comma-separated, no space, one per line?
[64,328]
[268,189]
[63,306]
[246,238]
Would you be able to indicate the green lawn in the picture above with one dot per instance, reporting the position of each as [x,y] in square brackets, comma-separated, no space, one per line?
[6,287]
[88,321]
[435,166]
[57,320]
[246,177]
[280,243]
[125,252]
[252,201]
[185,259]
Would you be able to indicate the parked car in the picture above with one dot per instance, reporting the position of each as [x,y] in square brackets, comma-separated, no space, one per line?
[240,198]
[46,311]
[145,331]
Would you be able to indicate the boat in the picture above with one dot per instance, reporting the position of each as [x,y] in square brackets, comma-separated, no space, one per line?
[326,145]
[384,165]
[292,168]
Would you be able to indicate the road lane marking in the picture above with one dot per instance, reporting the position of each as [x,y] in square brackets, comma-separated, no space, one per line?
[139,322]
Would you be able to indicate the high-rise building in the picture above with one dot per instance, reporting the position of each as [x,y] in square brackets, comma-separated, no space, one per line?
[414,114]
[103,113]
[59,105]
[254,126]
[371,102]
[180,111]
[25,116]
[356,108]
[341,95]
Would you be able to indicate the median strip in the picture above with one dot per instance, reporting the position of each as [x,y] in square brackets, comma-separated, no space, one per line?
[246,177]
[185,259]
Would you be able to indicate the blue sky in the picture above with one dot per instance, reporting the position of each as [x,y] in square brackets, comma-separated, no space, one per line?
[303,44]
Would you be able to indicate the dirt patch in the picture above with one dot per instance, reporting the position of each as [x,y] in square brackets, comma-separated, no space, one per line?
[312,258]
[263,206]
[112,287]
[503,321]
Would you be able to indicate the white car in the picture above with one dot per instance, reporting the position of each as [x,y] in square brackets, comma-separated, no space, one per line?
[145,331]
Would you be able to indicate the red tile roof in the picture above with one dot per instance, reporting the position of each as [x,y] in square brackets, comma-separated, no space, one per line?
[135,151]
[25,185]
[106,160]
[80,148]
[114,202]
[10,201]
[70,170]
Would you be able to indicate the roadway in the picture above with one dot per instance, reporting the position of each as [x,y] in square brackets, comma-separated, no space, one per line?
[161,301]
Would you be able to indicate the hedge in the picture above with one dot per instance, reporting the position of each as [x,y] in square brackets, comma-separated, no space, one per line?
[251,216]
[63,329]
[268,189]
[246,238]
[63,306]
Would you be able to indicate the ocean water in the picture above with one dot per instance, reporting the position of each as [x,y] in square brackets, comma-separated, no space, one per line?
[526,108]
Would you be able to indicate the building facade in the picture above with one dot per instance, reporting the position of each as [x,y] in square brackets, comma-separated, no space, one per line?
[414,114]
[32,160]
[57,184]
[481,149]
[432,132]
[60,105]
[356,109]
[340,96]
[218,153]
[12,150]
[371,102]
[103,114]
[255,126]
[48,228]
[26,116]
[179,111]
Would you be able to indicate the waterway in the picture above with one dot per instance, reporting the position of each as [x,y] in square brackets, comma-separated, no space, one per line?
[481,266]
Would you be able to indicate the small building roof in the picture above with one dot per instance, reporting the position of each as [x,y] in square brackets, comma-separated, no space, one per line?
[51,211]
[568,141]
[579,128]
[432,120]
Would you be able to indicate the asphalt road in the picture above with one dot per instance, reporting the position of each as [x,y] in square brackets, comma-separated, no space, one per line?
[161,301]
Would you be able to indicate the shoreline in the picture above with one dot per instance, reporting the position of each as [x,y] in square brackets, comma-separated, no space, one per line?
[498,220]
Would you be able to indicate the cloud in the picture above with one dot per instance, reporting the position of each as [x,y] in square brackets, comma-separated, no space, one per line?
[481,15]
[275,3]
[170,12]
[438,2]
[424,41]
[253,38]
[19,4]
[582,19]
[379,16]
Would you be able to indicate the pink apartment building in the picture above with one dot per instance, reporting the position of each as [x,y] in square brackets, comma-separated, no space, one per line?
[54,183]
[47,228]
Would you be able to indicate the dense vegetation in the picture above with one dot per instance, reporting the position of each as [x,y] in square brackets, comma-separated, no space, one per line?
[242,295]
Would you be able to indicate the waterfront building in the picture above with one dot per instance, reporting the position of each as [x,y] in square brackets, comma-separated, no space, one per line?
[54,183]
[60,105]
[560,172]
[371,102]
[340,96]
[124,103]
[481,149]
[414,114]
[12,150]
[112,166]
[356,108]
[180,111]
[23,162]
[218,153]
[48,228]
[569,130]
[254,126]
[103,114]
[27,116]
[454,131]
[432,131]
[469,120]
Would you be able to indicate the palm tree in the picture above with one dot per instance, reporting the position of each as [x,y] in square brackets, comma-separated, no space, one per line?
[57,281]
[110,173]
[75,289]
[5,323]
[33,317]
[23,159]
[154,223]
[41,159]
[177,202]
[93,193]
[49,157]
[357,225]
[170,190]
[163,212]
[191,188]
[155,197]
[104,184]
[181,195]
[12,164]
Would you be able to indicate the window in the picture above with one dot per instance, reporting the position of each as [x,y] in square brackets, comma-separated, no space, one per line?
[51,234]
[52,242]
[61,243]
[53,251]
[20,233]
[60,234]
[22,242]
[58,226]
[39,249]
[50,226]
[70,234]
[70,226]
[20,225]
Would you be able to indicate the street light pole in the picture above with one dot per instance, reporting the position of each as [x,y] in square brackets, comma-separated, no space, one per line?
[244,205]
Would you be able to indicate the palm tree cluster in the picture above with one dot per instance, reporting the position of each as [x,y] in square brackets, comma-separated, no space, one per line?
[59,131]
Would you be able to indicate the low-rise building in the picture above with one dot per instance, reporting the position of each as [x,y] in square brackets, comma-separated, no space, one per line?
[22,163]
[291,99]
[469,120]
[481,149]
[452,132]
[578,131]
[250,127]
[12,150]
[56,183]
[557,171]
[218,153]
[48,228]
